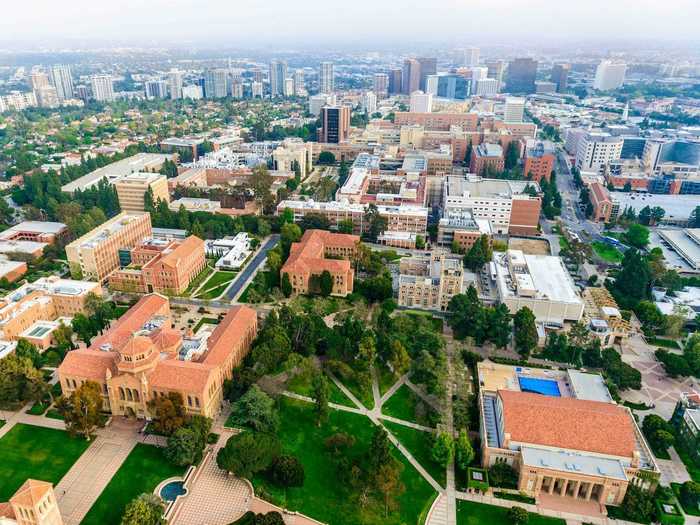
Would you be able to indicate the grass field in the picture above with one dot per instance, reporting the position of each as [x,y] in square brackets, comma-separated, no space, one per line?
[34,452]
[471,513]
[203,275]
[324,496]
[419,444]
[608,253]
[143,470]
[203,320]
[386,378]
[402,405]
[302,385]
[665,343]
[216,284]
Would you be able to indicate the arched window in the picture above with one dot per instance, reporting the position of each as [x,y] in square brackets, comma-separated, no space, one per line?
[129,395]
[136,395]
[121,394]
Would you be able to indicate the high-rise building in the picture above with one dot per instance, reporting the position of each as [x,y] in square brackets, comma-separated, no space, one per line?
[215,83]
[609,75]
[155,89]
[175,83]
[486,87]
[256,89]
[522,73]
[471,56]
[478,73]
[258,75]
[278,73]
[132,189]
[336,124]
[316,103]
[193,92]
[543,86]
[237,89]
[410,76]
[288,87]
[369,102]
[496,70]
[431,84]
[46,97]
[381,85]
[326,78]
[514,109]
[38,80]
[102,88]
[421,102]
[299,83]
[560,76]
[595,149]
[453,86]
[395,78]
[83,92]
[428,66]
[62,80]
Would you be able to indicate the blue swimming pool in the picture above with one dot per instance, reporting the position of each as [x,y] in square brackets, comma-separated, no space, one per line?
[538,385]
[172,490]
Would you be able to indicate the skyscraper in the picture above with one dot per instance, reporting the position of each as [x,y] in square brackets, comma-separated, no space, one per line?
[381,85]
[256,89]
[278,74]
[421,102]
[514,109]
[326,78]
[471,56]
[431,84]
[288,87]
[215,83]
[478,73]
[299,83]
[522,73]
[155,89]
[369,102]
[496,69]
[609,75]
[428,66]
[175,83]
[62,80]
[395,79]
[560,76]
[102,88]
[336,124]
[410,76]
[38,80]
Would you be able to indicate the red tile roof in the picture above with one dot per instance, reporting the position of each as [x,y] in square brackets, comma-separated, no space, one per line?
[173,374]
[568,423]
[233,327]
[88,364]
[132,321]
[184,250]
[31,492]
[307,255]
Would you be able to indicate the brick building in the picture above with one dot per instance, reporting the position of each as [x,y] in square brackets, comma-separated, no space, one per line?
[538,160]
[486,155]
[601,201]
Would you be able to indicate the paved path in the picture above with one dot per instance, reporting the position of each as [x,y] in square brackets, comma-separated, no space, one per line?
[84,482]
[423,396]
[438,511]
[402,380]
[672,470]
[241,280]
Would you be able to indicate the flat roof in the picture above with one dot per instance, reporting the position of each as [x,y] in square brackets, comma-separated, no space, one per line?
[685,242]
[116,170]
[37,227]
[590,387]
[551,278]
[104,230]
[677,207]
[474,186]
[572,462]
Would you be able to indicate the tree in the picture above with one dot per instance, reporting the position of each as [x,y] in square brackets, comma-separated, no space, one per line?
[286,285]
[326,157]
[694,219]
[518,515]
[653,321]
[420,242]
[183,447]
[512,155]
[388,482]
[632,281]
[168,413]
[248,453]
[399,359]
[498,325]
[289,233]
[326,283]
[376,224]
[346,226]
[526,336]
[321,391]
[443,449]
[379,452]
[503,475]
[287,471]
[81,410]
[26,349]
[479,254]
[464,452]
[690,494]
[637,236]
[255,409]
[147,509]
[20,381]
[638,504]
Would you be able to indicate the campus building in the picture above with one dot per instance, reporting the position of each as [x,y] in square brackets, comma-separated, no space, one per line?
[157,265]
[604,317]
[686,420]
[429,282]
[570,444]
[538,161]
[486,156]
[34,503]
[35,310]
[132,188]
[143,357]
[31,237]
[96,254]
[458,227]
[311,256]
[601,201]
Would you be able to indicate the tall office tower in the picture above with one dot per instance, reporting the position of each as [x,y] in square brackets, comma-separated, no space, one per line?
[193,92]
[486,87]
[496,70]
[278,73]
[46,97]
[381,85]
[560,76]
[256,89]
[102,88]
[428,66]
[478,73]
[522,73]
[336,124]
[471,56]
[155,89]
[326,78]
[514,109]
[421,102]
[453,86]
[62,80]
[38,80]
[299,83]
[215,83]
[431,84]
[175,83]
[288,87]
[395,79]
[369,102]
[609,75]
[237,89]
[410,76]
[83,92]
[258,75]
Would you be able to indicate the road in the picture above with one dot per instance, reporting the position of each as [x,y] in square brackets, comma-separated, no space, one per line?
[251,269]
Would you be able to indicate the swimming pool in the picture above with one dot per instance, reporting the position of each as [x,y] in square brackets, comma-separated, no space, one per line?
[172,490]
[538,385]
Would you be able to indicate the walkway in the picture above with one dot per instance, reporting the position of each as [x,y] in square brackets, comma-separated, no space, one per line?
[87,478]
[12,418]
[246,275]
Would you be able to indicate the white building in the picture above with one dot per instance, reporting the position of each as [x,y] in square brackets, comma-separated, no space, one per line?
[486,87]
[326,78]
[278,73]
[316,103]
[18,101]
[175,84]
[193,92]
[288,87]
[471,56]
[299,83]
[478,73]
[595,149]
[609,75]
[62,80]
[232,251]
[514,109]
[381,85]
[421,102]
[369,102]
[155,89]
[102,88]
[431,84]
[256,89]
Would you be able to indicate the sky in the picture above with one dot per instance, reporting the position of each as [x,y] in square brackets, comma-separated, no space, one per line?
[250,23]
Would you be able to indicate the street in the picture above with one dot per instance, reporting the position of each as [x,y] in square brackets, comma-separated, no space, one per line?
[242,278]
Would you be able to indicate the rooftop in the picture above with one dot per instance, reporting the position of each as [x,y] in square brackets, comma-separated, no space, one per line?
[575,463]
[107,229]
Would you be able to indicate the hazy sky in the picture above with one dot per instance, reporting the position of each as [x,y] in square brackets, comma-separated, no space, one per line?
[255,22]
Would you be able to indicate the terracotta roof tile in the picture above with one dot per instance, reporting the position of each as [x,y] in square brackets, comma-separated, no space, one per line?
[31,492]
[90,364]
[569,423]
[228,332]
[181,375]
[185,249]
[132,321]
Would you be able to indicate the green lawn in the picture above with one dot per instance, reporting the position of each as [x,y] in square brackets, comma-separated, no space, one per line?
[419,444]
[386,378]
[665,343]
[203,320]
[471,513]
[216,284]
[213,293]
[364,395]
[143,470]
[402,405]
[608,253]
[194,284]
[324,496]
[302,386]
[677,491]
[34,452]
